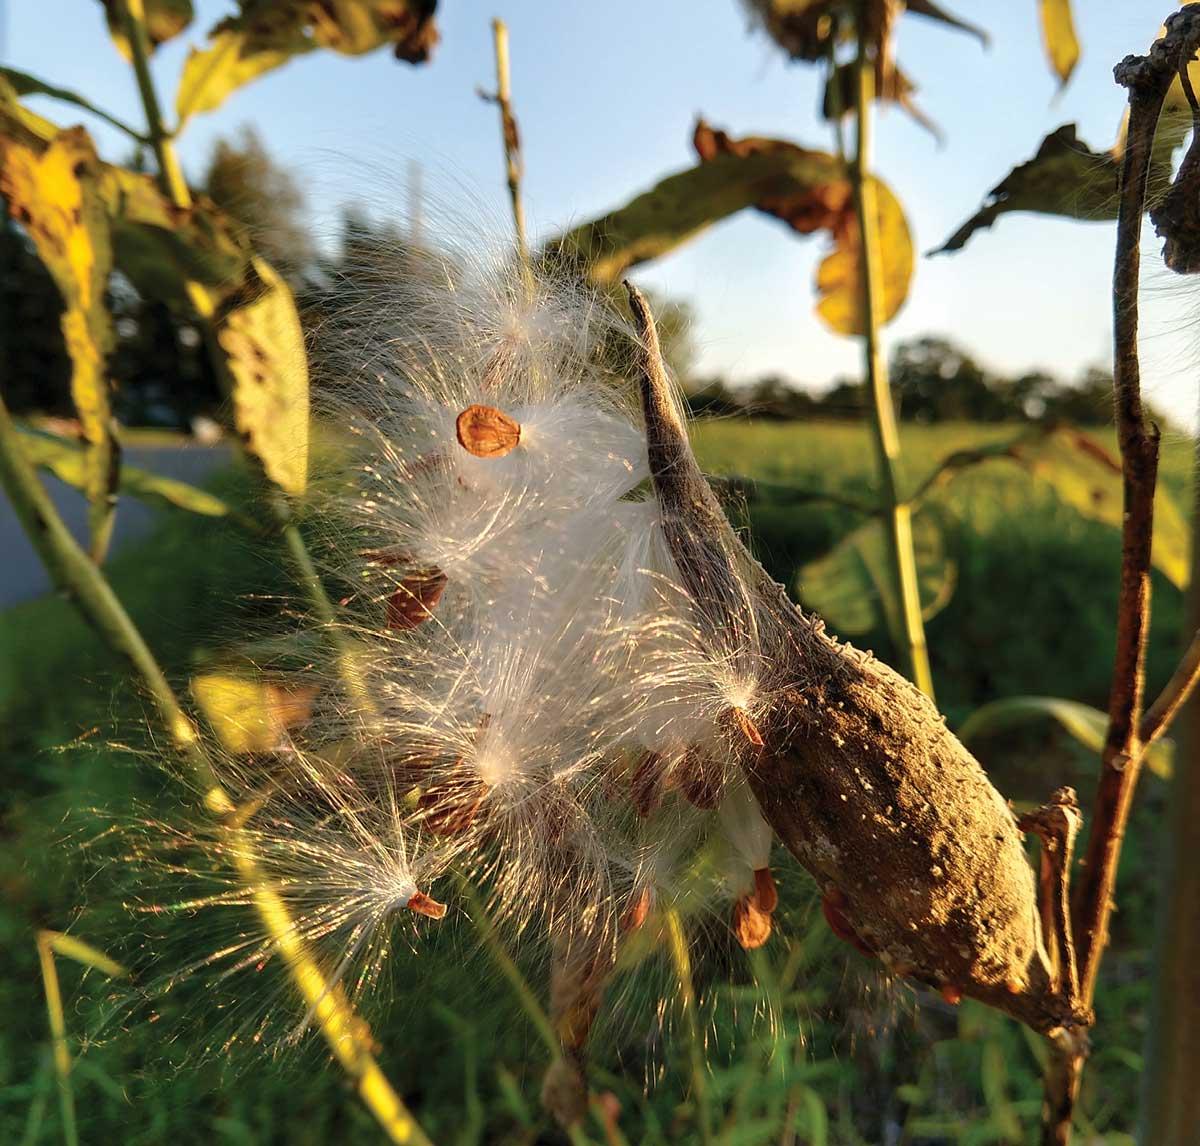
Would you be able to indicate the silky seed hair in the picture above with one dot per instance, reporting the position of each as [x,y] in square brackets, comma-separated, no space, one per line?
[518,691]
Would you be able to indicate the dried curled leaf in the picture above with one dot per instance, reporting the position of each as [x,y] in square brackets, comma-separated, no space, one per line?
[487,432]
[164,20]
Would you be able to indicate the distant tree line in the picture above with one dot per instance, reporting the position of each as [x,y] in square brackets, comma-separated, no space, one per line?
[934,380]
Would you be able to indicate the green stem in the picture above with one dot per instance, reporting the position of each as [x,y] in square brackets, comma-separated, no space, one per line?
[58,1036]
[897,513]
[682,959]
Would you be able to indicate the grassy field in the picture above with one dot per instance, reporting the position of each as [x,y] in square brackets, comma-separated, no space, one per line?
[846,1059]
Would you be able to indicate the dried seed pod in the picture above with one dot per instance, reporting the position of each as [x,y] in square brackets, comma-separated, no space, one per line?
[858,774]
[487,432]
[415,598]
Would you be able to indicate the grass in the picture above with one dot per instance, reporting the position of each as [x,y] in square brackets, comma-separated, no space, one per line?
[844,1058]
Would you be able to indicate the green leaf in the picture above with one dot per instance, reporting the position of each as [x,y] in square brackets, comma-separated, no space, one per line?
[1085,724]
[53,190]
[259,331]
[165,19]
[1058,37]
[68,463]
[1088,478]
[851,586]
[25,84]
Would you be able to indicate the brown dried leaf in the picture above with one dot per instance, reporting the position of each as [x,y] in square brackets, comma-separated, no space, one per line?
[487,432]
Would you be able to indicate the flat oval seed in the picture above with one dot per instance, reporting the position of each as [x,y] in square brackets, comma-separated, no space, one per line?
[487,432]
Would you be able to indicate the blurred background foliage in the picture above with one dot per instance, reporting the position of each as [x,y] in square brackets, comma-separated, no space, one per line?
[804,1041]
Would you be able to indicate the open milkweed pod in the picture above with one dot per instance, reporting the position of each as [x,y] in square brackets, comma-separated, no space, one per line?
[858,774]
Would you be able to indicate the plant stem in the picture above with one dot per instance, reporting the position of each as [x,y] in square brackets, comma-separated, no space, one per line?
[82,581]
[680,956]
[1170,1098]
[896,512]
[58,1036]
[511,139]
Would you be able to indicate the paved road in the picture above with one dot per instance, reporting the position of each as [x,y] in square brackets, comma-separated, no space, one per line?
[21,574]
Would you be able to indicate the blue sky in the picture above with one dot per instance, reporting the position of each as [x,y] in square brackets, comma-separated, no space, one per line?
[607,93]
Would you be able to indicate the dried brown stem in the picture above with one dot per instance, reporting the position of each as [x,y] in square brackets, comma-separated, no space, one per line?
[1147,80]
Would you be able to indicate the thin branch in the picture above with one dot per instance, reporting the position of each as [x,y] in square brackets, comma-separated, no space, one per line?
[511,140]
[1174,695]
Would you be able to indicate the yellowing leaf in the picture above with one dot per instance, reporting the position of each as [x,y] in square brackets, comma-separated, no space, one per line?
[259,331]
[683,205]
[807,190]
[238,710]
[68,463]
[1088,478]
[839,283]
[248,714]
[53,191]
[229,62]
[1058,36]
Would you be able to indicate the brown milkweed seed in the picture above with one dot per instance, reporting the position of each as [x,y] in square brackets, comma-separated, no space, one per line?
[487,432]
[450,808]
[415,599]
[422,904]
[740,719]
[751,926]
[765,893]
[635,914]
